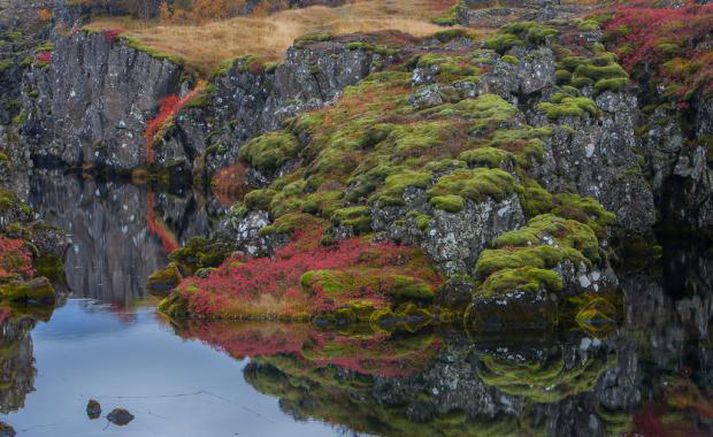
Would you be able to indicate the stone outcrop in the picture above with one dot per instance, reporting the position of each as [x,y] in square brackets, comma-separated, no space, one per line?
[250,98]
[93,102]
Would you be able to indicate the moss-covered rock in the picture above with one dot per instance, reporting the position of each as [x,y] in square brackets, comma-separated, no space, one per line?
[270,151]
[161,282]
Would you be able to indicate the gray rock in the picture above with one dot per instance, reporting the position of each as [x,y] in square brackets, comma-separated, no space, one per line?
[120,417]
[94,409]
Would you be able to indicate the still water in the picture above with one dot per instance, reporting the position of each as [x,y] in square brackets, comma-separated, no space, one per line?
[653,375]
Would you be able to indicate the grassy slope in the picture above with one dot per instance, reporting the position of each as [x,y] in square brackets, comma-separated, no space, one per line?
[206,46]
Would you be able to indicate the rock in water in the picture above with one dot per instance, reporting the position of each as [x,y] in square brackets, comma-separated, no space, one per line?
[6,430]
[94,409]
[120,417]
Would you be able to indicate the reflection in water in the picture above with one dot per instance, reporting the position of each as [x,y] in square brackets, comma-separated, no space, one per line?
[652,375]
[16,362]
[120,232]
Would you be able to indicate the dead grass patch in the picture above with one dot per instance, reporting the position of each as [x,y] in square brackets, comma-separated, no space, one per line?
[206,46]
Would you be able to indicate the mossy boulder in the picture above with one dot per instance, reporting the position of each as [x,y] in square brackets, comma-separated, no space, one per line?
[161,282]
[198,253]
[270,151]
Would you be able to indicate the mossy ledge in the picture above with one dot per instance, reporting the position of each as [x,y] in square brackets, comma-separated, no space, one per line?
[330,176]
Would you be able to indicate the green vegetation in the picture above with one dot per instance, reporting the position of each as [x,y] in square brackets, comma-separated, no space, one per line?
[270,151]
[477,185]
[521,33]
[564,106]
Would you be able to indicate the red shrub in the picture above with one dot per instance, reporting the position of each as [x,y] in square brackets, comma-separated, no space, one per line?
[110,35]
[15,259]
[44,57]
[272,287]
[169,107]
[665,42]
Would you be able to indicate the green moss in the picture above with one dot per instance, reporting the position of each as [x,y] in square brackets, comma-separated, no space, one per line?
[323,203]
[541,257]
[288,223]
[3,157]
[446,165]
[602,71]
[586,210]
[20,119]
[135,44]
[6,64]
[527,279]
[519,34]
[311,38]
[49,265]
[259,199]
[356,217]
[199,253]
[534,199]
[570,107]
[161,282]
[449,203]
[503,41]
[395,185]
[566,232]
[486,157]
[375,48]
[511,59]
[614,84]
[596,72]
[488,110]
[270,151]
[421,220]
[330,281]
[477,185]
[450,68]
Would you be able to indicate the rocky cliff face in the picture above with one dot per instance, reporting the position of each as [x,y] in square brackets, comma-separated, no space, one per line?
[250,98]
[92,103]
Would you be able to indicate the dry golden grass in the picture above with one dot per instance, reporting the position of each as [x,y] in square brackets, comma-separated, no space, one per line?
[206,46]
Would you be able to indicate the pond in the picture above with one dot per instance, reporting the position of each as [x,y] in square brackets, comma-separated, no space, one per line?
[653,375]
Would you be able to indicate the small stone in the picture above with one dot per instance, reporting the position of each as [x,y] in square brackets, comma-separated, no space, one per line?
[120,417]
[6,430]
[94,409]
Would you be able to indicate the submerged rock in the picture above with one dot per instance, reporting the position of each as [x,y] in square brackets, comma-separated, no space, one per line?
[94,409]
[120,417]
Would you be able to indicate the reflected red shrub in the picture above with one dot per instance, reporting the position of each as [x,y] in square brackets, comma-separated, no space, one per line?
[157,227]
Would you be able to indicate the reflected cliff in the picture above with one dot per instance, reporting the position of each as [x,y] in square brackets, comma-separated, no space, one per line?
[16,362]
[120,232]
